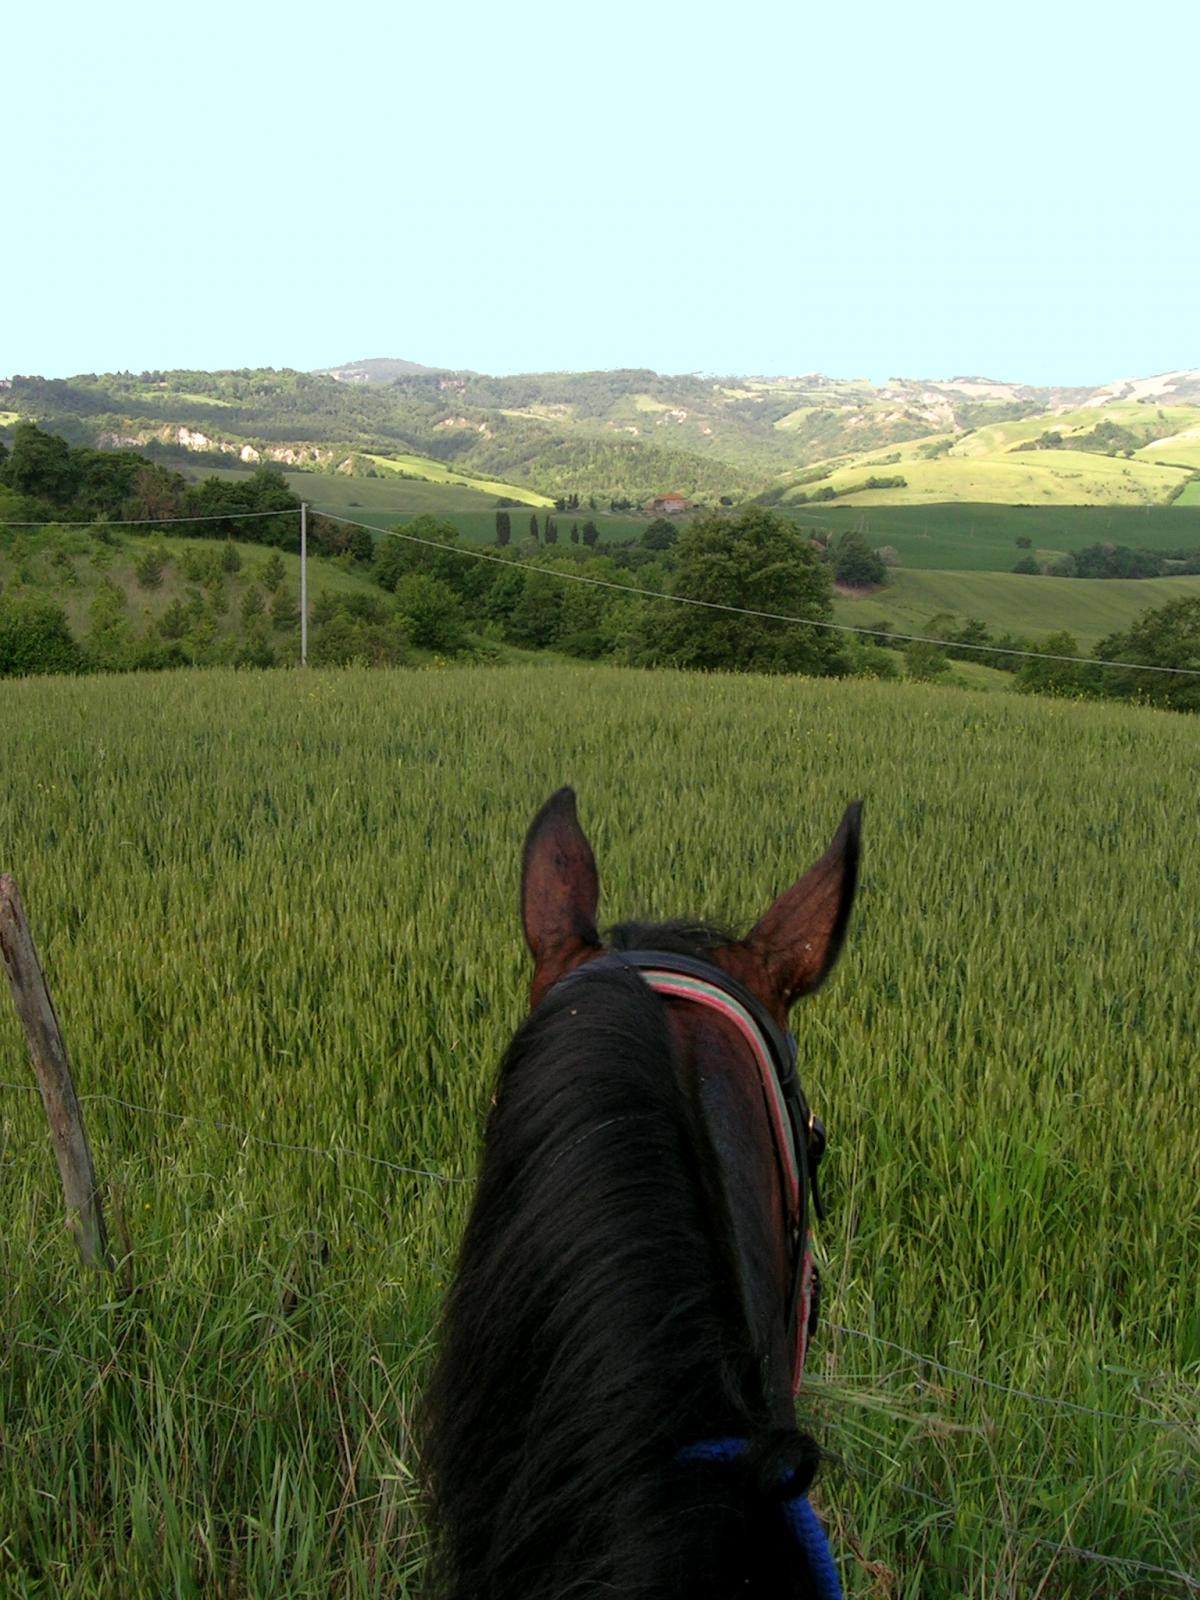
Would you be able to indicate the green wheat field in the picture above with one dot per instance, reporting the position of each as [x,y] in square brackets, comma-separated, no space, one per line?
[278,916]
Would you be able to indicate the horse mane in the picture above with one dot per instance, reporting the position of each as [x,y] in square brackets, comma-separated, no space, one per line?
[594,1332]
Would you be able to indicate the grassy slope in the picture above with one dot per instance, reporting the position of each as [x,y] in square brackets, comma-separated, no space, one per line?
[1090,608]
[284,902]
[986,465]
[147,605]
[982,538]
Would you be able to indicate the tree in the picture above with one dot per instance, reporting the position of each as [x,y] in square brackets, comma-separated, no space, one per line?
[1029,565]
[362,546]
[1024,542]
[1166,637]
[574,533]
[856,565]
[590,533]
[231,561]
[533,528]
[40,465]
[756,562]
[273,572]
[35,638]
[1039,674]
[660,535]
[550,531]
[148,569]
[503,528]
[925,661]
[537,616]
[430,612]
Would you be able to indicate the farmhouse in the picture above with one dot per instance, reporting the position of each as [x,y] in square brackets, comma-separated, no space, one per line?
[669,505]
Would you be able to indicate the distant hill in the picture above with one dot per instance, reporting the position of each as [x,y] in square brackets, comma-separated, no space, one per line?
[379,369]
[630,434]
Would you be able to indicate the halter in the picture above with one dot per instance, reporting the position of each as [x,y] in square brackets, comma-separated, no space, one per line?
[798,1136]
[799,1140]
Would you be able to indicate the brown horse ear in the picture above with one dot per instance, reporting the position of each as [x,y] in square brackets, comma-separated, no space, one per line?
[794,947]
[560,890]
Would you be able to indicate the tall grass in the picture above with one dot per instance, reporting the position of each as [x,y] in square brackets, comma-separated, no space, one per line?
[285,905]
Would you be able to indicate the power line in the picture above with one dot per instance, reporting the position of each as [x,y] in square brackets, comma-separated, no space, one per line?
[771,616]
[154,522]
[887,635]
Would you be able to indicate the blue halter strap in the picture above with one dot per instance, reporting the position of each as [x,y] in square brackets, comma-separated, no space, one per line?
[806,1526]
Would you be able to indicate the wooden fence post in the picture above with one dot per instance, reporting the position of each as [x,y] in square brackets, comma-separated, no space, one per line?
[36,1010]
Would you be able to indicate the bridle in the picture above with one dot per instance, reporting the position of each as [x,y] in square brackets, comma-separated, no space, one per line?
[798,1135]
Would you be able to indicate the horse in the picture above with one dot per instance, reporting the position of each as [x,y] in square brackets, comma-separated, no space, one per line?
[611,1409]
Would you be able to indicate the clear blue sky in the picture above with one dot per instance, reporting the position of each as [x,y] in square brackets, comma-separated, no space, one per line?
[865,190]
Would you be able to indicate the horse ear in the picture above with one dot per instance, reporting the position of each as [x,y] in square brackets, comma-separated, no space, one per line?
[794,947]
[560,890]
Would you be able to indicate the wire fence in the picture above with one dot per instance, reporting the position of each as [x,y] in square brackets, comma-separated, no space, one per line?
[944,1508]
[885,635]
[244,1136]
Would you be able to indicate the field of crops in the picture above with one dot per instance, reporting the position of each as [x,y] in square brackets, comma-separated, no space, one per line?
[983,538]
[1031,607]
[278,915]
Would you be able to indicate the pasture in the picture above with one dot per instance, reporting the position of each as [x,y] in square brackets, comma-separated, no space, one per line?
[982,538]
[278,915]
[1031,607]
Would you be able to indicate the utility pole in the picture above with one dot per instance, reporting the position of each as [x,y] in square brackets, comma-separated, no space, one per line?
[303,584]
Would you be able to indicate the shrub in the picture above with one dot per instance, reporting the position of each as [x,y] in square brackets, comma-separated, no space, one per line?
[35,637]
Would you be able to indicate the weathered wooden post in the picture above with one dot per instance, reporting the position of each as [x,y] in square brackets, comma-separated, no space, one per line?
[36,1011]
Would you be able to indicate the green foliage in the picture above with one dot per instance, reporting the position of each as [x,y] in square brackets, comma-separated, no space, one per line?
[1027,565]
[231,561]
[1040,675]
[35,638]
[751,561]
[856,565]
[253,605]
[503,528]
[272,572]
[431,612]
[660,535]
[149,567]
[1166,637]
[363,634]
[924,661]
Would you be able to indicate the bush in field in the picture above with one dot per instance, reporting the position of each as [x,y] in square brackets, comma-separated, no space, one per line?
[372,640]
[273,572]
[856,565]
[35,637]
[431,612]
[925,661]
[148,568]
[110,640]
[1039,674]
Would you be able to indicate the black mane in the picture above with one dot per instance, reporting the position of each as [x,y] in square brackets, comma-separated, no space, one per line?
[593,1332]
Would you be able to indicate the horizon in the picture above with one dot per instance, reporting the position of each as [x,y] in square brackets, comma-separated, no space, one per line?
[704,374]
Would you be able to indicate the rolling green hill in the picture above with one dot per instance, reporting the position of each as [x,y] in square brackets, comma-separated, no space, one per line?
[1090,608]
[632,434]
[982,538]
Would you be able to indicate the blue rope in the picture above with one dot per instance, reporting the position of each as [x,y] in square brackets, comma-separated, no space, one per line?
[806,1526]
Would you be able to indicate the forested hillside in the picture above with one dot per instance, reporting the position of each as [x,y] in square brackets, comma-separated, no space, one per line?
[626,436]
